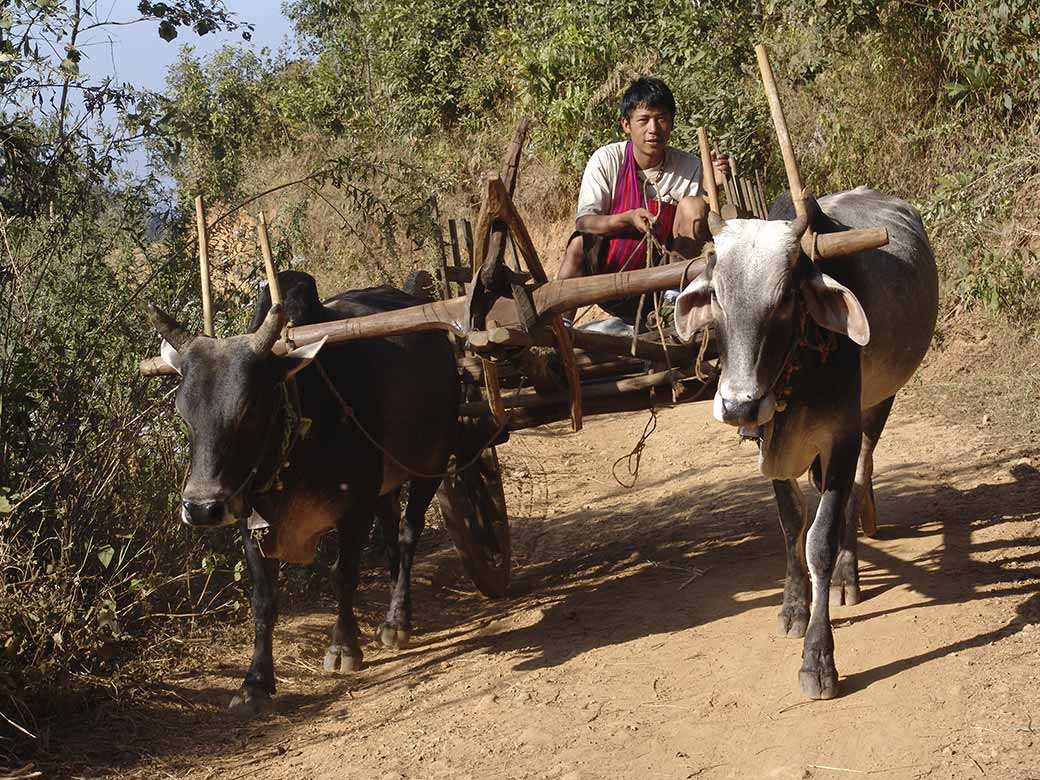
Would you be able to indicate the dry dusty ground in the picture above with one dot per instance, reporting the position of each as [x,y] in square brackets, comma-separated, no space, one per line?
[639,642]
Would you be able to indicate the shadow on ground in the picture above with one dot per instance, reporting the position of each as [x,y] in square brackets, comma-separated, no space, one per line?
[617,571]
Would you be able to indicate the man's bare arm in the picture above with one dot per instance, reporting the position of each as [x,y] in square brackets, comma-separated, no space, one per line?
[616,224]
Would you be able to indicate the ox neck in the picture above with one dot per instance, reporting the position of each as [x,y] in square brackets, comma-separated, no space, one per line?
[281,439]
[807,338]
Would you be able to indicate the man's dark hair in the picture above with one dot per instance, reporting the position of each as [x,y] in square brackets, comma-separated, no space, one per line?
[647,92]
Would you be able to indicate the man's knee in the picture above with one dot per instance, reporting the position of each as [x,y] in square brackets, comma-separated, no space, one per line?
[693,207]
[691,217]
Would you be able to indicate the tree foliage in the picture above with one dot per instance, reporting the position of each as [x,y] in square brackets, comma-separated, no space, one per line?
[89,552]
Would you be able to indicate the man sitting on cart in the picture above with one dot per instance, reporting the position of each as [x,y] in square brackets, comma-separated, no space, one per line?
[636,186]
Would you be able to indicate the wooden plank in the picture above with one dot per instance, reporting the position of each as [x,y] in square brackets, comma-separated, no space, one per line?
[488,209]
[589,392]
[632,401]
[493,388]
[507,213]
[752,204]
[589,367]
[458,275]
[608,344]
[511,161]
[467,235]
[570,370]
[452,272]
[453,232]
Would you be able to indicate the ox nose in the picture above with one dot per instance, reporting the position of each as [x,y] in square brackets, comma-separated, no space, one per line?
[740,412]
[204,514]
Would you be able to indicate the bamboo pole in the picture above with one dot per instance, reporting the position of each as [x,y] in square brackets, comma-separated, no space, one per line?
[725,182]
[751,204]
[265,250]
[794,178]
[761,193]
[207,300]
[738,187]
[708,170]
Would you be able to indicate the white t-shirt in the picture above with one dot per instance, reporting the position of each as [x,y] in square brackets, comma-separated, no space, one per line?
[678,176]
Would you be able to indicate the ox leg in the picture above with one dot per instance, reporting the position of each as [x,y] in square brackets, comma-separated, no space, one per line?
[389,515]
[818,675]
[861,510]
[794,615]
[254,697]
[344,653]
[396,631]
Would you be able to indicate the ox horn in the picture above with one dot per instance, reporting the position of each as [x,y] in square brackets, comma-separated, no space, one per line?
[269,331]
[801,221]
[168,328]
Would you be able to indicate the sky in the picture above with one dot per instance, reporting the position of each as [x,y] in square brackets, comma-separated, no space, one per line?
[136,54]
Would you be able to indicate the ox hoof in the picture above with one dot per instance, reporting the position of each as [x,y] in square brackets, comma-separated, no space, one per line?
[844,595]
[820,682]
[342,660]
[393,637]
[249,703]
[792,622]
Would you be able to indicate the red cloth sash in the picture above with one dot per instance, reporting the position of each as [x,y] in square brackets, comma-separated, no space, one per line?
[628,254]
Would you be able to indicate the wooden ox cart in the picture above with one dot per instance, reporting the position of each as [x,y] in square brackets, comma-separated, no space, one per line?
[521,366]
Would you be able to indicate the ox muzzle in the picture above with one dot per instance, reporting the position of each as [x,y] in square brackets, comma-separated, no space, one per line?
[203,514]
[747,414]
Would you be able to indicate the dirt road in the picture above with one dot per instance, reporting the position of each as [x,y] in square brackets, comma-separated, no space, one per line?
[639,642]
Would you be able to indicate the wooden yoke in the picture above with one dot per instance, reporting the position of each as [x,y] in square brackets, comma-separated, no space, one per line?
[550,298]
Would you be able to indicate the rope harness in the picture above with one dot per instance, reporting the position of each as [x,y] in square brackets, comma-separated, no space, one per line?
[807,337]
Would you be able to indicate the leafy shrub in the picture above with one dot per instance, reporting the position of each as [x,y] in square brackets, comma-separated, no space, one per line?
[1004,283]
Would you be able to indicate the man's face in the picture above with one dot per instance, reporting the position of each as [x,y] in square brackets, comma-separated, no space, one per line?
[649,129]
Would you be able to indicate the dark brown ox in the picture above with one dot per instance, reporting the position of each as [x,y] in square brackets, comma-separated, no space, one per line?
[288,465]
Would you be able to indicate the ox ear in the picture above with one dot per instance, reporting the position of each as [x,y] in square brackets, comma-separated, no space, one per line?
[171,356]
[300,358]
[693,307]
[834,306]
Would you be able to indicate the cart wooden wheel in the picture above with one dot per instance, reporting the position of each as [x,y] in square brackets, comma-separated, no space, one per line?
[474,508]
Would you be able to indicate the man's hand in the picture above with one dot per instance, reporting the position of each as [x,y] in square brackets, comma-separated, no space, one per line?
[640,219]
[722,169]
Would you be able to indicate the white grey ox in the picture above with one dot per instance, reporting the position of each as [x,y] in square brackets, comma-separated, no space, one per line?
[812,355]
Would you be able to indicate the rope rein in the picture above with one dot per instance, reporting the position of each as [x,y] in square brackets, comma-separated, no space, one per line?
[632,459]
